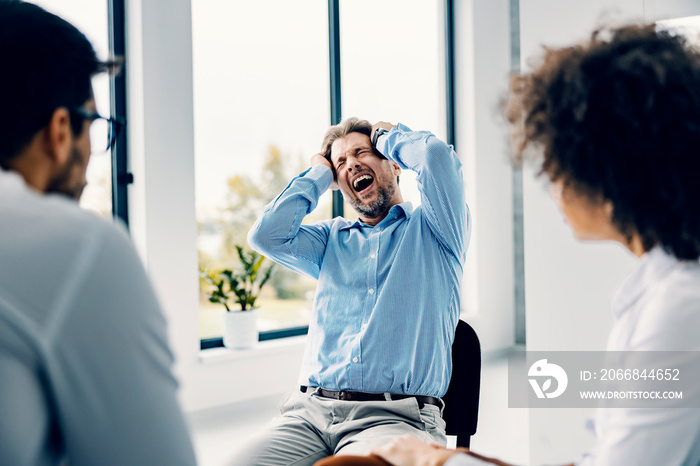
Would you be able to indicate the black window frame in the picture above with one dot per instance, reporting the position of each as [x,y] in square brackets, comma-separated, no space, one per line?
[123,177]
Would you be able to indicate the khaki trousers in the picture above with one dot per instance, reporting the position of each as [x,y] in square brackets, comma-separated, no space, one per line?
[310,428]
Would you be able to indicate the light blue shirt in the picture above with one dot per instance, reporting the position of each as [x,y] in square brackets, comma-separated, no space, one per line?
[388,296]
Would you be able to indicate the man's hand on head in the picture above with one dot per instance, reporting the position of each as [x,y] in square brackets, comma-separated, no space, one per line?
[320,159]
[380,124]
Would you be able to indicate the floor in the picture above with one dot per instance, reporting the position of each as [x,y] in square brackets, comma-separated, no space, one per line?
[502,431]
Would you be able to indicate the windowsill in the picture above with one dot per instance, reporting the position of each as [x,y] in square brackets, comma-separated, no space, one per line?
[263,348]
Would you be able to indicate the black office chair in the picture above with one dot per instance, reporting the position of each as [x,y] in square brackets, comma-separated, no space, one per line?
[462,398]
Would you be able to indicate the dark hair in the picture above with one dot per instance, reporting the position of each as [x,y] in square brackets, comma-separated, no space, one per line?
[618,119]
[47,64]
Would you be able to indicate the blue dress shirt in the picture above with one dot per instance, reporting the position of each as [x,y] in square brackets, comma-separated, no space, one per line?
[388,296]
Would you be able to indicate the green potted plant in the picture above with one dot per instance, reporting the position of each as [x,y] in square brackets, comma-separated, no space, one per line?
[237,291]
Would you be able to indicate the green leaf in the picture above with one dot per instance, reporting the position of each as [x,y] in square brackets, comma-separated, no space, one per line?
[241,255]
[255,267]
[266,277]
[243,286]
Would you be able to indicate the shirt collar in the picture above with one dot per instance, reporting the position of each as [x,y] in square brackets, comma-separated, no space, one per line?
[406,207]
[396,211]
[654,266]
[11,180]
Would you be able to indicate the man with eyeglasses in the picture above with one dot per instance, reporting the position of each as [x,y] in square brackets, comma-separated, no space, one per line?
[85,368]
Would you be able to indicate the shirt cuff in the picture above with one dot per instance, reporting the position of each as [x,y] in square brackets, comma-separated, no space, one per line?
[322,176]
[383,140]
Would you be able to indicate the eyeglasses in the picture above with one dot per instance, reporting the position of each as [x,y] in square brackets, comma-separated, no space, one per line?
[103,130]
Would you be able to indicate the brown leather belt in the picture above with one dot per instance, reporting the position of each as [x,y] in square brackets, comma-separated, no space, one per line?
[361,396]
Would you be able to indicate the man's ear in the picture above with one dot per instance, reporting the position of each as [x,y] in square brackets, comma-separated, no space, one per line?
[58,136]
[327,156]
[608,209]
[396,169]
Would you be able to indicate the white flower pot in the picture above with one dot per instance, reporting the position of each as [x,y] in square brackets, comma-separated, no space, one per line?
[240,329]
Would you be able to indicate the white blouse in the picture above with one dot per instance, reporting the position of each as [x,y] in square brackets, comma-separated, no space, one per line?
[656,309]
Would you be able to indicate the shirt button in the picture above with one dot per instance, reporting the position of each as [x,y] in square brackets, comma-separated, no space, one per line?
[373,256]
[355,359]
[371,291]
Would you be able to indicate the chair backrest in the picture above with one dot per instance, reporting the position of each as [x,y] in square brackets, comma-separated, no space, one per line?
[462,398]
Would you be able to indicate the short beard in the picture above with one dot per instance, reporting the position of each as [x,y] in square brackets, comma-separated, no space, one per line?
[62,183]
[378,207]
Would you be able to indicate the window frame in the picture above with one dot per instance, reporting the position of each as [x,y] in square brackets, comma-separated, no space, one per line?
[336,116]
[121,177]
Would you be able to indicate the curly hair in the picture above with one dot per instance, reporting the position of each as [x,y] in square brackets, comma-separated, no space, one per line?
[617,119]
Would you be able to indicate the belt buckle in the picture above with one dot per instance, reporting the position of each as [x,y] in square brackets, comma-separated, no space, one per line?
[344,395]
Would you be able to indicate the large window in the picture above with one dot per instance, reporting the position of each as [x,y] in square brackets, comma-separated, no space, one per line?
[260,110]
[393,67]
[263,96]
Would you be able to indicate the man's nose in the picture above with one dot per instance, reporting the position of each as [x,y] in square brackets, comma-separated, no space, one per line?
[352,163]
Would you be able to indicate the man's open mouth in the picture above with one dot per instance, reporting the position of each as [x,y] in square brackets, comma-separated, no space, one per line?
[362,182]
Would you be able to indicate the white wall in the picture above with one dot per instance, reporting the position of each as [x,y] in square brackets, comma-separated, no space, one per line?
[482,54]
[656,10]
[569,285]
